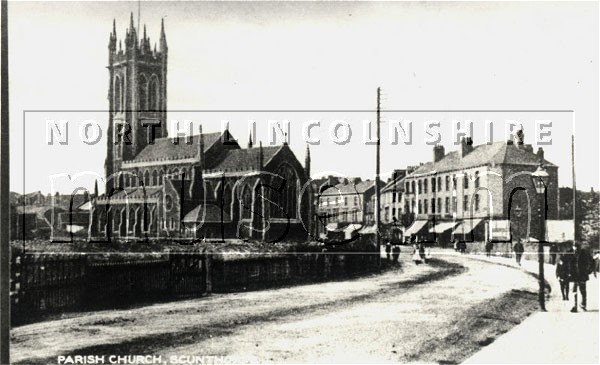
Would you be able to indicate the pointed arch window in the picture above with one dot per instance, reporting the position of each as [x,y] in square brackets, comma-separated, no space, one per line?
[153,94]
[118,94]
[246,203]
[285,198]
[143,93]
[154,178]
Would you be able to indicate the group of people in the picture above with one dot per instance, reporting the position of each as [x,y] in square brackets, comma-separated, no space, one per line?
[421,253]
[392,251]
[460,246]
[575,266]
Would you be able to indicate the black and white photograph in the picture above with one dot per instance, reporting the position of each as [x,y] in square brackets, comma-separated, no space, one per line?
[299,182]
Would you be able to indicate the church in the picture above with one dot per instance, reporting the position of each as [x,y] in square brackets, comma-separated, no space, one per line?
[206,186]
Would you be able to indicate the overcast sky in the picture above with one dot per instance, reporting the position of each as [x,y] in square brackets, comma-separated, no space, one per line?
[314,56]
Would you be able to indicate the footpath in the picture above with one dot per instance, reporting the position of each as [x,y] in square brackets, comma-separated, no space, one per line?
[553,337]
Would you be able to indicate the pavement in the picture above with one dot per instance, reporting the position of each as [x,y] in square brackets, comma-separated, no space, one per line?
[553,337]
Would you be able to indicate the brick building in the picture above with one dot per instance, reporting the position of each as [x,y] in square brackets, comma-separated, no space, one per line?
[204,186]
[477,192]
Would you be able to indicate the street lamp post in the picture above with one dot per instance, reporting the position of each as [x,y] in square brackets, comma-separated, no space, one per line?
[540,181]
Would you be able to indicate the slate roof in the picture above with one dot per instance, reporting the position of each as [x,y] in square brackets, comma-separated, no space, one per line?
[242,159]
[350,188]
[396,185]
[165,149]
[497,153]
[137,193]
[206,213]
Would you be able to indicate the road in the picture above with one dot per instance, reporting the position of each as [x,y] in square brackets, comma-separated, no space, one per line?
[441,312]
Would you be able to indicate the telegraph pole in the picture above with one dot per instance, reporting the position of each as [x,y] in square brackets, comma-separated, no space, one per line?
[377,173]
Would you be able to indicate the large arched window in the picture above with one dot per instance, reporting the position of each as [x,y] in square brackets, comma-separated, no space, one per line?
[246,202]
[153,95]
[154,178]
[143,93]
[224,198]
[285,195]
[146,178]
[118,94]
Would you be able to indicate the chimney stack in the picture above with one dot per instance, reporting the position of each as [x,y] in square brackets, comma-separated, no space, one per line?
[466,146]
[540,154]
[438,152]
[519,138]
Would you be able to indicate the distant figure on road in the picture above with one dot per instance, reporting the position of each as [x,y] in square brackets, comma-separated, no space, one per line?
[562,273]
[462,247]
[416,256]
[422,250]
[581,266]
[396,253]
[427,253]
[488,248]
[388,250]
[553,252]
[519,249]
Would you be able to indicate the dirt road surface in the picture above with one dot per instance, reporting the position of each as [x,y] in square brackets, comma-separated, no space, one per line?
[440,312]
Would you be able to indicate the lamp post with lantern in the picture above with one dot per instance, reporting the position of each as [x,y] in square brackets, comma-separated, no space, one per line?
[540,179]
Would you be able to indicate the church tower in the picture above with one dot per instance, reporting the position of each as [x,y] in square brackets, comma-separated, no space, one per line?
[137,94]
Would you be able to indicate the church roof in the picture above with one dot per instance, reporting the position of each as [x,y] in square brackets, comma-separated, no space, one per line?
[206,213]
[137,193]
[496,153]
[245,159]
[165,149]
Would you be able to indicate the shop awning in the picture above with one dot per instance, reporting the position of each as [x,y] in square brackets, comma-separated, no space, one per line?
[466,226]
[350,230]
[415,227]
[368,230]
[442,227]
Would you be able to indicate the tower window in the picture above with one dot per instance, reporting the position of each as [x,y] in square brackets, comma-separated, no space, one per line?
[118,94]
[143,93]
[153,93]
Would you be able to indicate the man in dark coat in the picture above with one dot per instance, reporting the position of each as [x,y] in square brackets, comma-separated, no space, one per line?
[580,266]
[519,249]
[562,273]
[553,252]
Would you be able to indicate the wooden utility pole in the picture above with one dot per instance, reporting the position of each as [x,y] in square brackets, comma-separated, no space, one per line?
[575,236]
[377,173]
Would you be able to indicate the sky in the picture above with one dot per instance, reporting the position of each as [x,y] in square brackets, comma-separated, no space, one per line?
[305,61]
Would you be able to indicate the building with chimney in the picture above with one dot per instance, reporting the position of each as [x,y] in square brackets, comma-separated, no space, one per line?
[479,192]
[205,186]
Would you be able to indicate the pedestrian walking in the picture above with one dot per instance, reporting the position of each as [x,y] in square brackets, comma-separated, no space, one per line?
[488,248]
[562,273]
[462,247]
[519,249]
[427,254]
[396,253]
[388,250]
[422,250]
[416,256]
[553,252]
[581,265]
